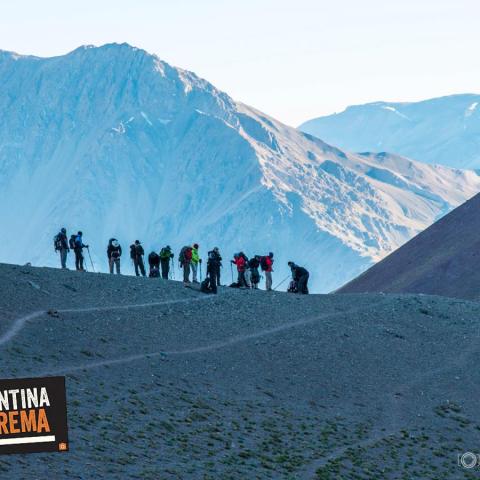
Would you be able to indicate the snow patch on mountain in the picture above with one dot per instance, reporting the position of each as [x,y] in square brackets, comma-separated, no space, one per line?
[394,110]
[471,109]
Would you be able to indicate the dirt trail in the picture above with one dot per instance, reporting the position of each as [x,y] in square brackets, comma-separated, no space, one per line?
[20,323]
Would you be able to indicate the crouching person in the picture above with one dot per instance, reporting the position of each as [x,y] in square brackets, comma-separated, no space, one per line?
[300,276]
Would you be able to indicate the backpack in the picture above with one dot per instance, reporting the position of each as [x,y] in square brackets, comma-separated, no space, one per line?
[207,286]
[185,255]
[292,288]
[57,242]
[165,253]
[264,264]
[71,242]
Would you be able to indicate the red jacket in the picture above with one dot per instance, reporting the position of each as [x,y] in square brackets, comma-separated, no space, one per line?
[240,263]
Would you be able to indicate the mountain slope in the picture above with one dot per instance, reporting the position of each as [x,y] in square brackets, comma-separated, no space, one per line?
[115,142]
[165,382]
[442,260]
[442,130]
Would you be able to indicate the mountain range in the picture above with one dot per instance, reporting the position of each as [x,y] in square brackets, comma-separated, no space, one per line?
[443,130]
[115,142]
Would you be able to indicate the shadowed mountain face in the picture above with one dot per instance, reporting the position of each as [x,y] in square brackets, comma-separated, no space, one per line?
[117,143]
[164,382]
[442,130]
[442,260]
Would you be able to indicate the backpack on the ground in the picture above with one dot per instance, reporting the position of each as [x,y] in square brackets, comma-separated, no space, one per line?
[292,288]
[208,286]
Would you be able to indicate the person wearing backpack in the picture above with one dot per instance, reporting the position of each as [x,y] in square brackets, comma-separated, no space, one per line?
[241,263]
[300,276]
[195,261]
[114,252]
[60,244]
[136,254]
[71,241]
[154,264]
[78,249]
[185,260]
[266,264]
[253,265]
[214,264]
[165,256]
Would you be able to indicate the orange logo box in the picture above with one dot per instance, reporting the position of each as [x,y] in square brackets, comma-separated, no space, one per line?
[62,446]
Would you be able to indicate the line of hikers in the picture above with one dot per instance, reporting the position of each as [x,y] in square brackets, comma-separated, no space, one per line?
[248,270]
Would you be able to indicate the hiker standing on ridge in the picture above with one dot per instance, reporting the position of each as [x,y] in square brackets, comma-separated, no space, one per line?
[240,262]
[60,244]
[300,276]
[136,254]
[266,264]
[185,259]
[214,264]
[114,252]
[165,256]
[253,265]
[78,247]
[195,261]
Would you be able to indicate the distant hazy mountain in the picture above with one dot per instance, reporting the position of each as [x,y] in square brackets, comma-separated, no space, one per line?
[116,142]
[442,130]
[442,260]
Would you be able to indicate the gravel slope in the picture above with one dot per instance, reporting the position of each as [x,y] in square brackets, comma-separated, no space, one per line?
[166,383]
[442,260]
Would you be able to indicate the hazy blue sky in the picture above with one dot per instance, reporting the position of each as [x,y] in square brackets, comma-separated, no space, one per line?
[292,59]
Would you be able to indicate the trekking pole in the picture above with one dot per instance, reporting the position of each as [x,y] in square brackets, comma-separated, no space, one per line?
[231,271]
[283,281]
[89,256]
